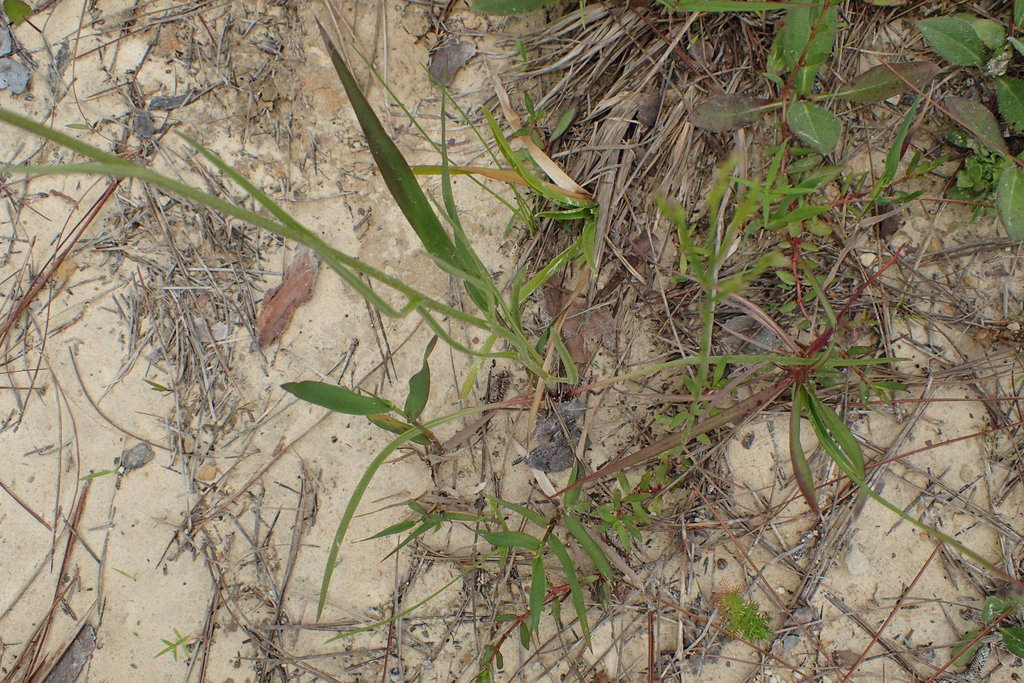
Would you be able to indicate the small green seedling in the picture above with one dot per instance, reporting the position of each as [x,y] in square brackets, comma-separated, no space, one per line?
[184,642]
[991,170]
[744,618]
[996,611]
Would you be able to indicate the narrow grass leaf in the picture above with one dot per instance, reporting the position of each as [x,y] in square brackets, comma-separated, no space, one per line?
[1010,201]
[589,545]
[896,150]
[338,399]
[397,174]
[835,438]
[396,426]
[1010,98]
[728,112]
[510,539]
[538,591]
[978,120]
[575,590]
[814,125]
[535,517]
[953,39]
[419,386]
[801,469]
[506,8]
[721,6]
[886,80]
[399,528]
[1018,13]
[1013,639]
[483,295]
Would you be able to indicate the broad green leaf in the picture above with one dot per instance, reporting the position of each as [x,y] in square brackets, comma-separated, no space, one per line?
[963,653]
[992,35]
[582,536]
[978,120]
[728,112]
[995,607]
[395,170]
[575,590]
[815,126]
[953,39]
[1010,201]
[338,399]
[419,386]
[17,11]
[883,81]
[538,591]
[807,34]
[510,539]
[1010,97]
[505,8]
[801,470]
[1013,639]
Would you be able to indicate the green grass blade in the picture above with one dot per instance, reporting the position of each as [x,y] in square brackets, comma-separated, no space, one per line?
[510,539]
[537,518]
[419,386]
[412,608]
[589,545]
[395,170]
[801,469]
[892,158]
[338,399]
[538,591]
[834,437]
[575,590]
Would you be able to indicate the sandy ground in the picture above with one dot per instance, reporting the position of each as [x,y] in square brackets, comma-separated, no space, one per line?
[201,559]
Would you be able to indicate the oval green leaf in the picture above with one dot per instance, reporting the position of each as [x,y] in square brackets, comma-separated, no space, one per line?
[17,11]
[1013,639]
[817,127]
[728,112]
[992,34]
[1010,201]
[338,399]
[419,386]
[978,120]
[1010,97]
[967,648]
[885,80]
[953,39]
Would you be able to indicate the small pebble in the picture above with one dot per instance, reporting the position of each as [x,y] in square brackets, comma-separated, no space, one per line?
[136,456]
[857,562]
[13,76]
[5,41]
[207,472]
[868,258]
